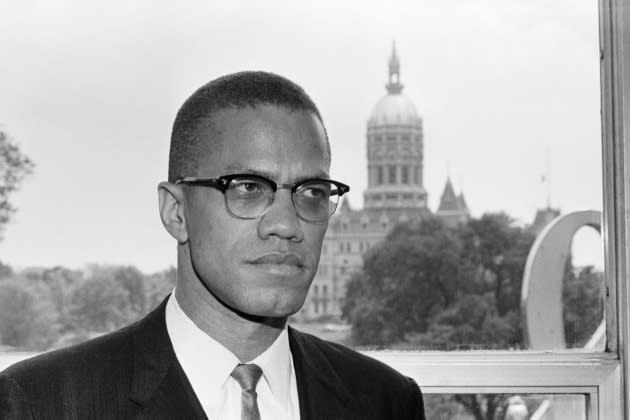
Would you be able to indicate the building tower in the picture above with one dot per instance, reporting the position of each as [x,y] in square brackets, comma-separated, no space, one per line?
[453,209]
[395,154]
[395,194]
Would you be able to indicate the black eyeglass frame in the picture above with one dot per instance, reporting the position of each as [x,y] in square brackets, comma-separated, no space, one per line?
[223,182]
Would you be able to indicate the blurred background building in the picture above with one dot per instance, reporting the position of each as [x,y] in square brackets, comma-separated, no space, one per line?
[395,194]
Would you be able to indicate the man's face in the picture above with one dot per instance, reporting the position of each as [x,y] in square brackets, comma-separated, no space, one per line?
[262,266]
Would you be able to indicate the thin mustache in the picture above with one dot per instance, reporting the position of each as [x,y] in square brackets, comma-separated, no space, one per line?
[278,258]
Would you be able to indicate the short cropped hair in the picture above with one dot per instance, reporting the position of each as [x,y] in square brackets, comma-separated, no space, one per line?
[233,91]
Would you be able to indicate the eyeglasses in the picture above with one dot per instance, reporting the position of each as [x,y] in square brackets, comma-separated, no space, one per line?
[248,196]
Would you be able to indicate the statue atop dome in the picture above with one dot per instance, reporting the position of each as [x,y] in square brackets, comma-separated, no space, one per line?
[393,85]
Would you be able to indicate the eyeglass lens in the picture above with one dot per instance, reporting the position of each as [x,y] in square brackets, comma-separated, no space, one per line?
[249,198]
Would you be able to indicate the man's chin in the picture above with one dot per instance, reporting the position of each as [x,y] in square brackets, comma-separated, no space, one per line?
[278,313]
[277,309]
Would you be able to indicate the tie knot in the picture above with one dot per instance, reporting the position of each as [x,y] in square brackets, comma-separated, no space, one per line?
[247,375]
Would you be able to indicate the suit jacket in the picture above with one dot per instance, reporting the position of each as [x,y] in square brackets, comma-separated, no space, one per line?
[133,373]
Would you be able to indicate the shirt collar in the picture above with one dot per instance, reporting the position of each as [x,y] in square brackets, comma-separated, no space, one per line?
[276,364]
[208,364]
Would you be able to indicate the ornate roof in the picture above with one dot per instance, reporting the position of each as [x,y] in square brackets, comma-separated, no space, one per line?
[450,201]
[394,108]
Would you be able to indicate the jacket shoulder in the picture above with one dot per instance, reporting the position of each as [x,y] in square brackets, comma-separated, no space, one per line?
[351,361]
[83,372]
[380,390]
[72,382]
[98,353]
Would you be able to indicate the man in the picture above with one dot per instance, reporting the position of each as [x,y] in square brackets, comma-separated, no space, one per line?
[248,200]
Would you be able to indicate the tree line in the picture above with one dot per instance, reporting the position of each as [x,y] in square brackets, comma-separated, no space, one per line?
[54,307]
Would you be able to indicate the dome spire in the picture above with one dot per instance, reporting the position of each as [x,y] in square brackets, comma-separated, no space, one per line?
[393,84]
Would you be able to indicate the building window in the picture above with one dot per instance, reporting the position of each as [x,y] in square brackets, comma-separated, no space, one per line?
[392,174]
[405,137]
[379,175]
[391,138]
[405,175]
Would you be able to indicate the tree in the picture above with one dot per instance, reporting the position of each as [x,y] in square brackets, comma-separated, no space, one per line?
[60,283]
[14,166]
[416,272]
[100,304]
[583,305]
[473,322]
[5,271]
[499,248]
[26,319]
[434,287]
[133,281]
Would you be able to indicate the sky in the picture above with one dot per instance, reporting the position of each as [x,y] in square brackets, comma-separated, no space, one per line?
[508,92]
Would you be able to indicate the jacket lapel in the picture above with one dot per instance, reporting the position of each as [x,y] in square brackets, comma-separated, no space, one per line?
[161,390]
[321,392]
[159,385]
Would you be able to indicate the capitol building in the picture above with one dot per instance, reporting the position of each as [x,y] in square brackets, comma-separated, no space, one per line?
[395,194]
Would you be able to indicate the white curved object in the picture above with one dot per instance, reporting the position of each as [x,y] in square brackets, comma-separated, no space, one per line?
[541,293]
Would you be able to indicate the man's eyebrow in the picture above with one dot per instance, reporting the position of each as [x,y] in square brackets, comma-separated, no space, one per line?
[237,168]
[242,169]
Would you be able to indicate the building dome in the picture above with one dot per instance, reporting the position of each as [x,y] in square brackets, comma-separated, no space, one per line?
[394,109]
[395,152]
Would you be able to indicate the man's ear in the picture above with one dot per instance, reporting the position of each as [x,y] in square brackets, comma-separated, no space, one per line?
[171,198]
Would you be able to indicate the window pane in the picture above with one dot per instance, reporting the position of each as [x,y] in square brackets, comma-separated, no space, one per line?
[509,93]
[482,255]
[505,406]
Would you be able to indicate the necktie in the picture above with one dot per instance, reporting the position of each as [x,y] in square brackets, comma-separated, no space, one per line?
[247,377]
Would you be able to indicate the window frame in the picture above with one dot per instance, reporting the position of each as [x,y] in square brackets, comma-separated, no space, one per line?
[603,377]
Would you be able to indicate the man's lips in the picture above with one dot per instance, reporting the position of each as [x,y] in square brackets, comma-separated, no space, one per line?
[279,258]
[279,264]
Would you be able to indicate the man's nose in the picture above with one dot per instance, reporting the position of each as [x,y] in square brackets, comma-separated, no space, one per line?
[281,219]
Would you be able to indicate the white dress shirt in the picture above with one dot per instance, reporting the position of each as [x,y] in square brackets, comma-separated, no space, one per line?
[208,365]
